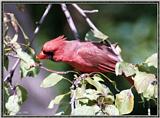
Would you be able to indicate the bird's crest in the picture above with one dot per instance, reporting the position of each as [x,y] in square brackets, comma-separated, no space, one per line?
[54,43]
[60,38]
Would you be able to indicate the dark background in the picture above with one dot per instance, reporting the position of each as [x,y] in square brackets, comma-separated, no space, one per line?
[132,25]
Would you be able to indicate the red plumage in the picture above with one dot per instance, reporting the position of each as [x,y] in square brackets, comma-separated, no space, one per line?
[83,56]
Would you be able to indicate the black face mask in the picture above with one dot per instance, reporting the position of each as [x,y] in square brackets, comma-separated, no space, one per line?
[49,54]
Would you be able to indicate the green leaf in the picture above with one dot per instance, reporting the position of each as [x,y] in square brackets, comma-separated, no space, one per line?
[14,39]
[126,68]
[21,93]
[25,57]
[12,105]
[96,84]
[125,101]
[13,102]
[101,88]
[98,78]
[25,70]
[111,110]
[79,92]
[155,91]
[151,91]
[31,51]
[95,36]
[105,100]
[51,80]
[109,99]
[16,45]
[145,68]
[14,42]
[86,110]
[27,64]
[146,84]
[59,113]
[6,62]
[57,100]
[142,80]
[90,94]
[118,69]
[117,48]
[152,60]
[6,93]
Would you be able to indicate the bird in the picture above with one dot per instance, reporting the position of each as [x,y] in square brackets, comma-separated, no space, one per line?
[84,56]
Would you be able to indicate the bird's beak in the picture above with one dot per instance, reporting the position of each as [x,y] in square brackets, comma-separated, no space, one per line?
[41,55]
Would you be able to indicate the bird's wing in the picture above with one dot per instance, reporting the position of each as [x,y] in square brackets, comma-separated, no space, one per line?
[99,57]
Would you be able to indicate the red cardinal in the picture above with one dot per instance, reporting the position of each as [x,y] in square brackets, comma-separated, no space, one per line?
[83,56]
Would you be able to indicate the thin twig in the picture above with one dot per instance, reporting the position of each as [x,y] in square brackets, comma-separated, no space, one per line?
[90,11]
[92,26]
[70,21]
[40,22]
[57,72]
[8,78]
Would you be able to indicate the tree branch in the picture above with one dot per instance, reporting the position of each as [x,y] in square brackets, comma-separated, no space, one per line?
[40,22]
[54,71]
[57,72]
[81,11]
[70,21]
[8,78]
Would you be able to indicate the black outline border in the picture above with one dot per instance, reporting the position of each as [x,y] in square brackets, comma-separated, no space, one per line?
[85,2]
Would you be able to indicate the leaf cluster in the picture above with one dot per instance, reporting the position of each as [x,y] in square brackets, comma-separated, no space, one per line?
[16,95]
